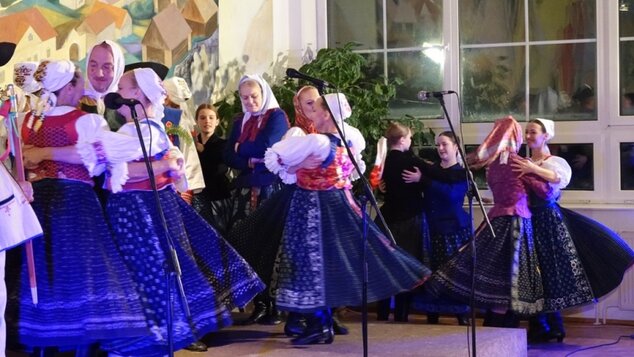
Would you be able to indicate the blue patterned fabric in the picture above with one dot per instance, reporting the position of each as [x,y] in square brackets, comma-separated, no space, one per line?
[604,255]
[507,271]
[86,293]
[563,274]
[215,278]
[321,256]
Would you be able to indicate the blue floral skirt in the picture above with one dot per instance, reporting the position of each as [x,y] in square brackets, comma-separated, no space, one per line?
[507,271]
[321,256]
[604,255]
[86,293]
[563,275]
[215,278]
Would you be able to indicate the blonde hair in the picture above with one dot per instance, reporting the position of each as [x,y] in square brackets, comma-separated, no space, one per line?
[395,132]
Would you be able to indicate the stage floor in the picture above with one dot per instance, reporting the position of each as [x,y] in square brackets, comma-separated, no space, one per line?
[384,339]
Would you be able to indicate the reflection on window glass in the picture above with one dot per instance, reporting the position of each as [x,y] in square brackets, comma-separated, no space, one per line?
[413,23]
[504,21]
[417,71]
[627,166]
[626,56]
[480,175]
[562,20]
[358,21]
[561,76]
[492,83]
[580,157]
[408,46]
[562,81]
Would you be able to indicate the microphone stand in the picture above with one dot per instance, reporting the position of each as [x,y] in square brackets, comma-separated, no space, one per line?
[172,266]
[367,196]
[472,191]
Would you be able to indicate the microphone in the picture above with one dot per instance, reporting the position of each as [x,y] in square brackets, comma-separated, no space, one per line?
[293,73]
[424,95]
[115,101]
[13,100]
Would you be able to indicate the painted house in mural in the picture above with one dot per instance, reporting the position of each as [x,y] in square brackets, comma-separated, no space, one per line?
[160,5]
[105,22]
[34,36]
[201,16]
[168,37]
[70,42]
[72,4]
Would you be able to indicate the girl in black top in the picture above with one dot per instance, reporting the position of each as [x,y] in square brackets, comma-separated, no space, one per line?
[212,202]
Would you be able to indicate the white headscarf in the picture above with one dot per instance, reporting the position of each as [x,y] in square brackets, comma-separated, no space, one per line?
[177,90]
[549,125]
[53,76]
[268,99]
[151,85]
[23,76]
[119,65]
[339,106]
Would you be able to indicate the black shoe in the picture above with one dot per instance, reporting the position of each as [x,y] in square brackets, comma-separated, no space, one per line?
[462,319]
[538,329]
[273,317]
[493,319]
[319,329]
[337,327]
[295,324]
[44,352]
[326,336]
[197,346]
[432,318]
[557,331]
[258,314]
[511,320]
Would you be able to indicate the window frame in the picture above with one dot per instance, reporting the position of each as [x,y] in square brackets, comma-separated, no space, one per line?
[612,128]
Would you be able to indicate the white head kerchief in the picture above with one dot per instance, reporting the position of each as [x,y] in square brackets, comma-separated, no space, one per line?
[151,85]
[23,76]
[119,65]
[177,90]
[339,106]
[268,99]
[53,76]
[549,125]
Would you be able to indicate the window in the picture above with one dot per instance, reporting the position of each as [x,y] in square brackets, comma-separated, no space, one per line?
[567,60]
[401,39]
[627,165]
[533,58]
[626,54]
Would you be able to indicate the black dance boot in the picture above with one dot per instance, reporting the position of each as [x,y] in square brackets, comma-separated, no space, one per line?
[538,329]
[44,352]
[318,329]
[337,327]
[463,320]
[493,319]
[258,314]
[401,307]
[383,309]
[432,318]
[511,320]
[556,326]
[273,316]
[295,324]
[197,346]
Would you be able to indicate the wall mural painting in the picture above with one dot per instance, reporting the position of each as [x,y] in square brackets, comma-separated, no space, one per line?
[182,34]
